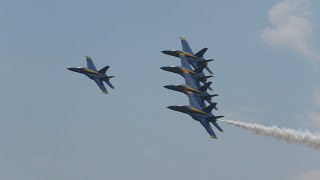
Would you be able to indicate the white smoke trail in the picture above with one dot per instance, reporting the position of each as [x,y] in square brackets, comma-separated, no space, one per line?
[289,135]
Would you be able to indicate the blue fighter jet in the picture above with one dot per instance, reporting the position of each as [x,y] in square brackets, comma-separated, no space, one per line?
[194,59]
[192,77]
[98,76]
[201,94]
[203,115]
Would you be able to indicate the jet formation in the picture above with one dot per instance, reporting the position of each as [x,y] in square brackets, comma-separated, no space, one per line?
[195,87]
[98,76]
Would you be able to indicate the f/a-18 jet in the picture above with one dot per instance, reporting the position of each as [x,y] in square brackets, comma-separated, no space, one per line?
[203,115]
[200,94]
[194,59]
[98,76]
[191,69]
[192,77]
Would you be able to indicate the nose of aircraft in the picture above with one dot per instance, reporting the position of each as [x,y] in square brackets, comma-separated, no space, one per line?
[175,108]
[73,69]
[164,52]
[171,87]
[171,107]
[166,68]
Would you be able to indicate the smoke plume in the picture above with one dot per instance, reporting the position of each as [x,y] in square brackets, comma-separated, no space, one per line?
[289,135]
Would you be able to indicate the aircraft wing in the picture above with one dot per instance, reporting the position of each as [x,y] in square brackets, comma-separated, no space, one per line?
[190,81]
[101,86]
[185,45]
[184,62]
[90,64]
[206,125]
[193,101]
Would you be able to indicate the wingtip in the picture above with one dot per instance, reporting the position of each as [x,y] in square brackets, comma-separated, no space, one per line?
[213,137]
[104,92]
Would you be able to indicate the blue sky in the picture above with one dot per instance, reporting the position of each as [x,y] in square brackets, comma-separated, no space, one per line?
[56,124]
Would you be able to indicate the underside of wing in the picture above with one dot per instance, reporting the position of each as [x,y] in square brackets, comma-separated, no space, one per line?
[184,62]
[185,45]
[90,64]
[193,101]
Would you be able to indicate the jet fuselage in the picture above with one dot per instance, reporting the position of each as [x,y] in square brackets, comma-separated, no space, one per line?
[88,72]
[177,53]
[186,89]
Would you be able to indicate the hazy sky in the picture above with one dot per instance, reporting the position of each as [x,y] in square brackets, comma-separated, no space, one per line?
[56,124]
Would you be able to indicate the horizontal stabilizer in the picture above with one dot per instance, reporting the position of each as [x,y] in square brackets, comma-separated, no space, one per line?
[109,83]
[209,70]
[205,61]
[217,126]
[200,68]
[103,70]
[201,52]
[210,96]
[204,78]
[205,86]
[214,118]
[210,107]
[217,117]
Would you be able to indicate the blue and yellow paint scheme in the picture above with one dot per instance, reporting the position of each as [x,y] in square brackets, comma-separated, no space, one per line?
[200,93]
[186,65]
[193,59]
[191,69]
[204,117]
[198,113]
[191,77]
[98,76]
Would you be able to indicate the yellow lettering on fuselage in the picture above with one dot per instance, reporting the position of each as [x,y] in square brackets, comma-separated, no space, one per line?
[198,111]
[187,71]
[181,53]
[91,71]
[193,89]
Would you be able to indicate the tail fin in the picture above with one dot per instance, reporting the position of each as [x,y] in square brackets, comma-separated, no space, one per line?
[103,70]
[201,52]
[210,107]
[205,86]
[217,126]
[200,68]
[206,63]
